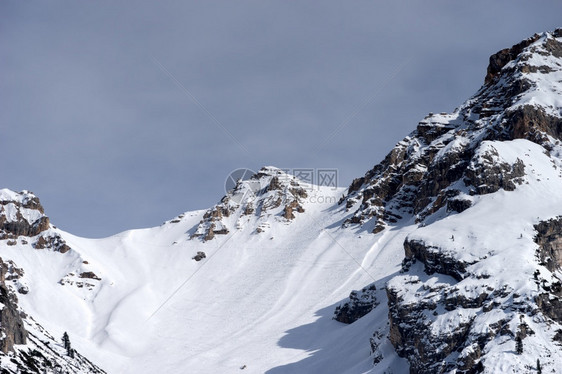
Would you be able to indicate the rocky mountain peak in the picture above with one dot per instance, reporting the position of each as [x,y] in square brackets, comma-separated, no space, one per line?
[449,157]
[271,192]
[500,59]
[21,213]
[23,220]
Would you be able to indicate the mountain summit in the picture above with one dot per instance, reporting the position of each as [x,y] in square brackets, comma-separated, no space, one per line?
[447,158]
[444,258]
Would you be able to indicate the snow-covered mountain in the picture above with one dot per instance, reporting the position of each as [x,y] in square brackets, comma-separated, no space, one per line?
[453,245]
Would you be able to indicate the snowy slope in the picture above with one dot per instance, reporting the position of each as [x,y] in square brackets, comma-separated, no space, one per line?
[258,299]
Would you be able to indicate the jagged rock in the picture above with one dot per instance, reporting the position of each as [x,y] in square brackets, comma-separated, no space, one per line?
[435,322]
[358,304]
[414,336]
[21,215]
[213,230]
[549,240]
[53,241]
[530,122]
[549,253]
[12,329]
[455,302]
[501,58]
[199,256]
[89,275]
[487,173]
[458,205]
[274,184]
[434,259]
[289,208]
[248,209]
[271,191]
[24,290]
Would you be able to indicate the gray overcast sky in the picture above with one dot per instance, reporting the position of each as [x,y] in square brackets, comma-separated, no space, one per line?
[94,125]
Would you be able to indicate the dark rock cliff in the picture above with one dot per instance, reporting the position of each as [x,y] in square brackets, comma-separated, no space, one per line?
[12,329]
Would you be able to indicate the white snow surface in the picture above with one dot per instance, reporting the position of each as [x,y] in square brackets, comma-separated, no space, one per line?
[264,301]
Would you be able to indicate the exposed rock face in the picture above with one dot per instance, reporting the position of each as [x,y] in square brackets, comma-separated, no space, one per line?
[549,253]
[357,305]
[434,318]
[290,207]
[549,239]
[13,275]
[486,174]
[448,157]
[500,59]
[22,216]
[449,307]
[11,324]
[413,338]
[434,260]
[52,241]
[25,346]
[269,192]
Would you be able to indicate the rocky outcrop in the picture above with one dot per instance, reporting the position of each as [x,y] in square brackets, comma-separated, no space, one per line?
[487,173]
[270,192]
[357,305]
[293,206]
[12,330]
[549,254]
[549,240]
[500,59]
[533,123]
[432,319]
[12,275]
[52,241]
[23,227]
[22,217]
[446,311]
[435,260]
[21,214]
[89,275]
[412,335]
[199,256]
